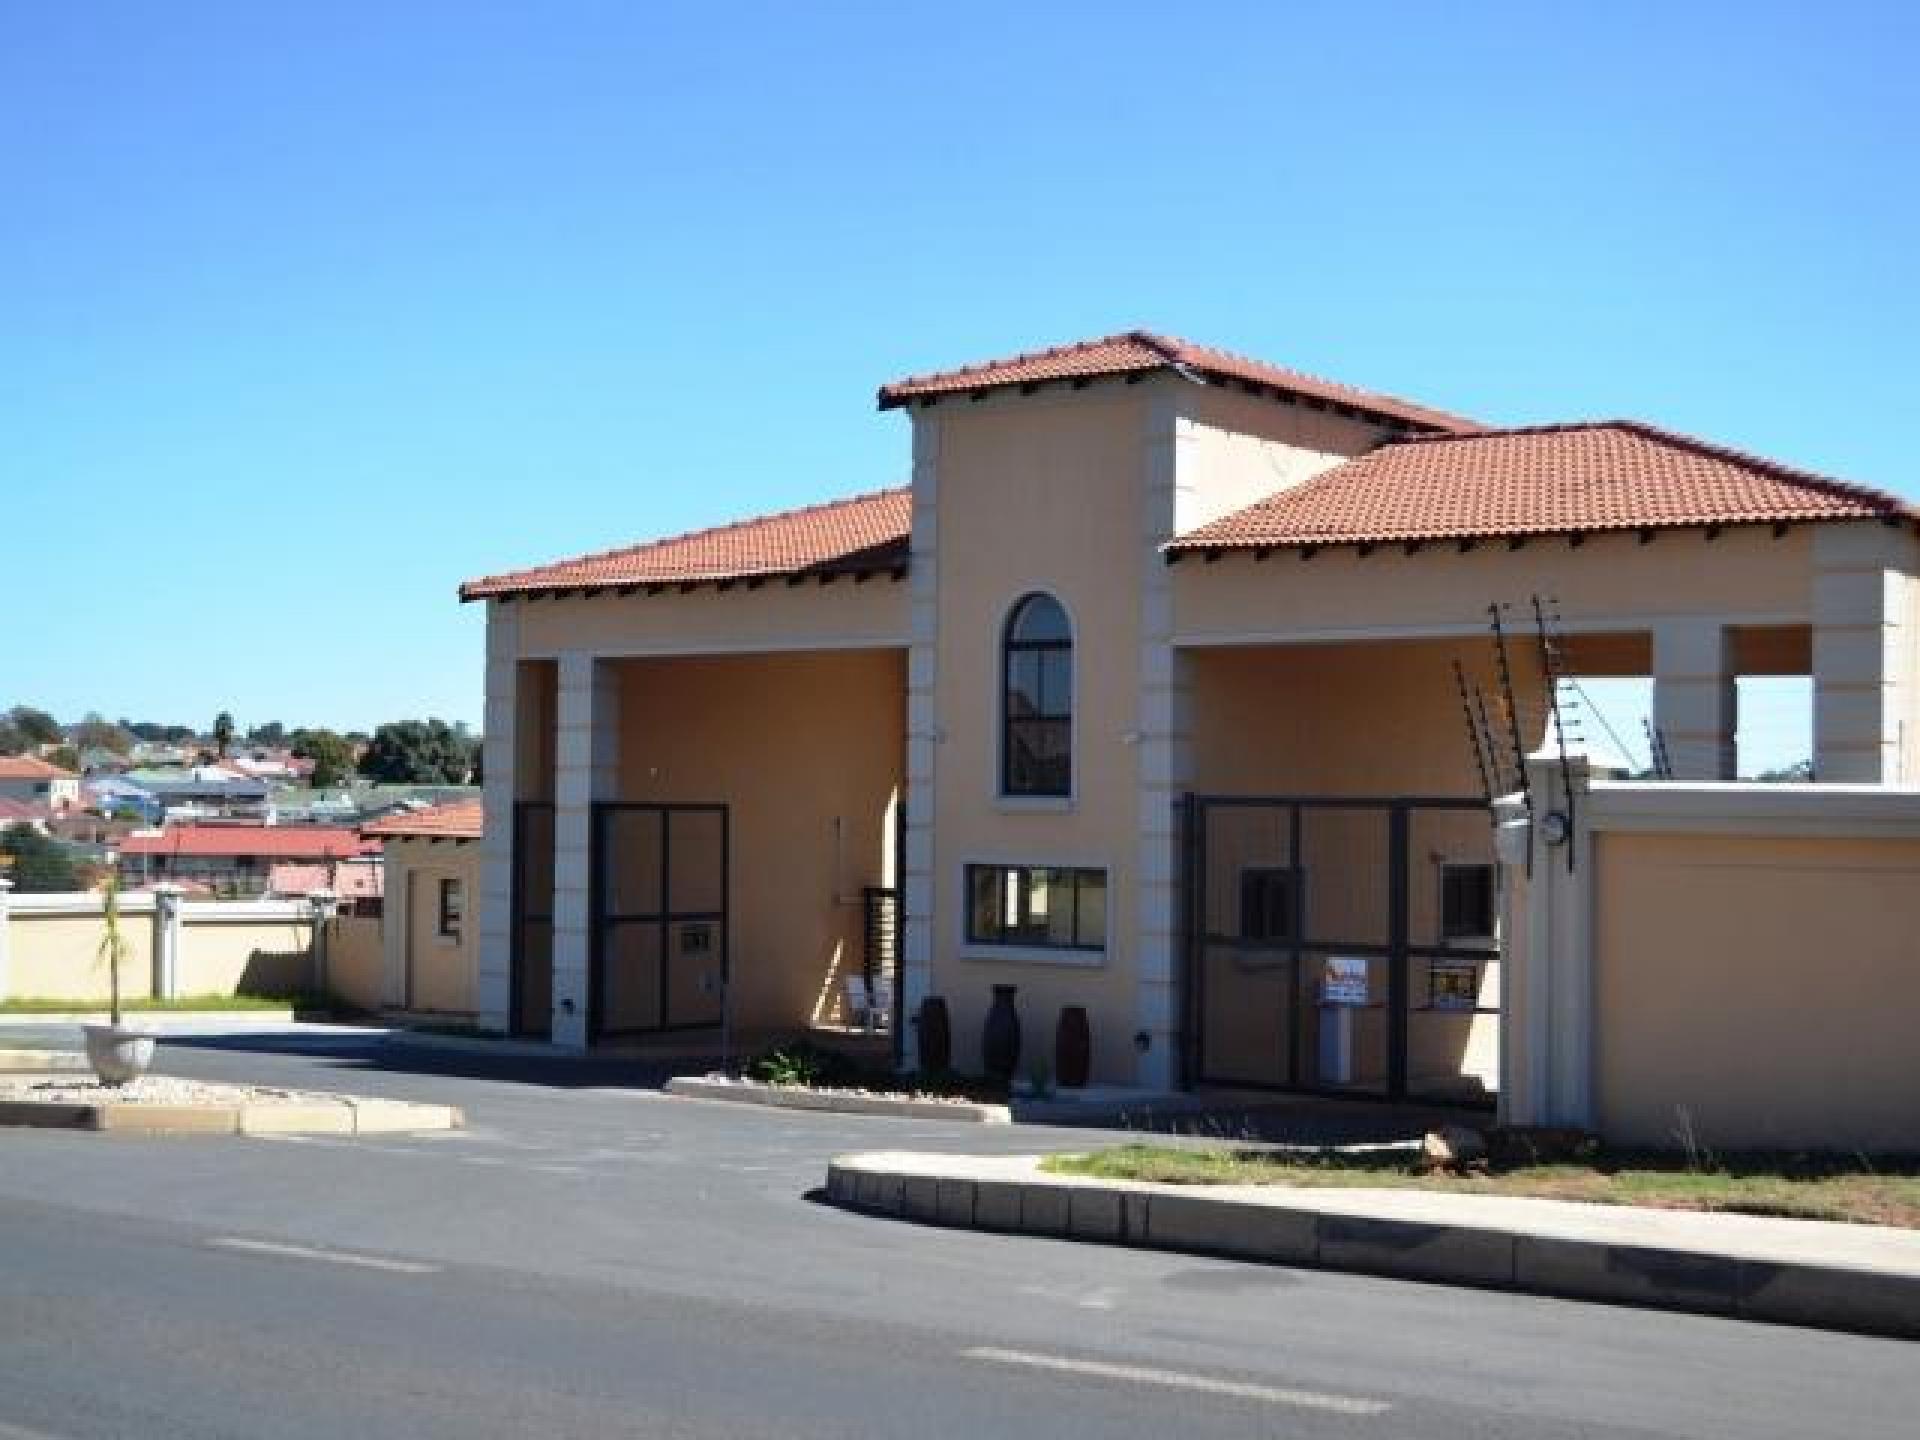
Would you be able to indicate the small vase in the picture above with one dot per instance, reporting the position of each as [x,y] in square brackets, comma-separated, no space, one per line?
[1000,1040]
[936,1037]
[1072,1048]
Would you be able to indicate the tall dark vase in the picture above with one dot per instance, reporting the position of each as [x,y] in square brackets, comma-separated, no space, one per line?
[1000,1041]
[1072,1048]
[936,1037]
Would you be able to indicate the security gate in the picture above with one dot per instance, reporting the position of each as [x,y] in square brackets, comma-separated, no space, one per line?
[1343,945]
[659,957]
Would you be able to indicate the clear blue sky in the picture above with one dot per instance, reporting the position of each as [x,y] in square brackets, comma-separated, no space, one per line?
[309,312]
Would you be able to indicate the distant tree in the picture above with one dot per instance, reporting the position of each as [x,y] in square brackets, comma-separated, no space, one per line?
[144,730]
[332,756]
[223,733]
[1797,773]
[38,726]
[178,734]
[36,865]
[419,752]
[13,740]
[479,771]
[67,757]
[98,733]
[271,733]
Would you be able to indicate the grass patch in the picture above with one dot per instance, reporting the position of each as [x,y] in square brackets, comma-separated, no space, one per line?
[1796,1187]
[43,1005]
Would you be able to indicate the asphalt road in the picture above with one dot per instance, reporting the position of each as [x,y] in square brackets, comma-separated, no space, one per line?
[595,1259]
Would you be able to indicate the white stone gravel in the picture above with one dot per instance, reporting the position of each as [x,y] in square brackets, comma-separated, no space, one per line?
[150,1090]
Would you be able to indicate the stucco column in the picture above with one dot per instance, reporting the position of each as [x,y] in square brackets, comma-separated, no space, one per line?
[586,769]
[6,936]
[1546,1018]
[396,925]
[493,972]
[1163,751]
[322,904]
[1863,662]
[1694,698]
[916,861]
[166,941]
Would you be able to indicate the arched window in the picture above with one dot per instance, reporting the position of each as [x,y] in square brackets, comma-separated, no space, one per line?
[1036,700]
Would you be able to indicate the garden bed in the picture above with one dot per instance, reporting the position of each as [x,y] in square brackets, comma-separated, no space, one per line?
[1800,1187]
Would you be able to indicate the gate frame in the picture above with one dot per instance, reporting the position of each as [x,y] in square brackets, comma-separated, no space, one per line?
[517,940]
[599,921]
[1397,951]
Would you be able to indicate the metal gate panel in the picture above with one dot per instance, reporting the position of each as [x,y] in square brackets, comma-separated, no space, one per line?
[660,934]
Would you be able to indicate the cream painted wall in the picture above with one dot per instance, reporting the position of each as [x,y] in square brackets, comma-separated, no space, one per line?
[254,957]
[791,742]
[1244,448]
[57,957]
[1761,991]
[1610,582]
[355,960]
[774,617]
[441,972]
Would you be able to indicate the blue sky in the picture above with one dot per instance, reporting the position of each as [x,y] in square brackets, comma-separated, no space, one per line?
[309,312]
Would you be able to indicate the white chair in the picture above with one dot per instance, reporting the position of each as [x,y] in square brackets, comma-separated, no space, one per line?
[868,1006]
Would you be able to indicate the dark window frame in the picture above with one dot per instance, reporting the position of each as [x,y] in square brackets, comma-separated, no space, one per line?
[1012,784]
[1020,936]
[451,917]
[1486,905]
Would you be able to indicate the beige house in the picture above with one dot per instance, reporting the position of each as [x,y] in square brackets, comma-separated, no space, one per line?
[1166,689]
[429,942]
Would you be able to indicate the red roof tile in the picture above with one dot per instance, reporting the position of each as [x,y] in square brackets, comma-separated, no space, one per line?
[1549,479]
[14,812]
[279,842]
[1140,352]
[457,821]
[31,767]
[863,534]
[357,880]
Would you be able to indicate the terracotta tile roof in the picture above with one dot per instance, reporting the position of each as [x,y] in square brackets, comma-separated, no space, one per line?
[356,880]
[457,821]
[31,767]
[278,842]
[1140,352]
[21,812]
[861,535]
[1540,480]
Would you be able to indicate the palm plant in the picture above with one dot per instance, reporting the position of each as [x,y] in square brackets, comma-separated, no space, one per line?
[114,945]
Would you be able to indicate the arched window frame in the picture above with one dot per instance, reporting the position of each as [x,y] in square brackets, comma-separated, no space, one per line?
[1059,716]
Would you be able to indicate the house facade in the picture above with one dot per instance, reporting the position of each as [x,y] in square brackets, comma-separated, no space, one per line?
[34,781]
[1167,690]
[429,939]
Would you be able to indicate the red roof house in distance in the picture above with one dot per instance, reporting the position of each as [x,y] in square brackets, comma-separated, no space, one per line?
[36,781]
[239,859]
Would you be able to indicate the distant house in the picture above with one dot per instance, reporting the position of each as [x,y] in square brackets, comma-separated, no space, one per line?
[34,814]
[112,794]
[239,859]
[428,928]
[29,778]
[204,792]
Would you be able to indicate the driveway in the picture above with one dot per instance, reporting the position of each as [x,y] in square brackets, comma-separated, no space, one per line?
[592,1258]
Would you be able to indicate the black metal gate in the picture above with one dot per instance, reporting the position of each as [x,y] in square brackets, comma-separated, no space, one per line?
[530,966]
[659,958]
[1340,945]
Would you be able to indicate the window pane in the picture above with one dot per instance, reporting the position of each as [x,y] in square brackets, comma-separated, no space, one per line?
[1052,909]
[1025,695]
[1037,760]
[983,910]
[1039,618]
[1091,906]
[1056,683]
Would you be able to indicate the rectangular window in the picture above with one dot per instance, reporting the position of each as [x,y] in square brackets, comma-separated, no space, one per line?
[1045,906]
[1270,903]
[452,903]
[1466,902]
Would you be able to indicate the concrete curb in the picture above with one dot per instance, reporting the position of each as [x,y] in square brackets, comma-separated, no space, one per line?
[316,1115]
[1188,1220]
[797,1097]
[156,1020]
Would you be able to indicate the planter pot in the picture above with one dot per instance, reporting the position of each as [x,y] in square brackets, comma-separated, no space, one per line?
[1072,1048]
[117,1053]
[936,1037]
[1000,1040]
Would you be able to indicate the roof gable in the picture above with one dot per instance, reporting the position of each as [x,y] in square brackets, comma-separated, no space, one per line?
[1141,352]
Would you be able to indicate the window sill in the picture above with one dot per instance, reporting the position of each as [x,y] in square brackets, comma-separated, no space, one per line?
[1035,955]
[1034,804]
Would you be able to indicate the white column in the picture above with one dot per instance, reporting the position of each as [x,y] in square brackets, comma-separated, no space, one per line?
[586,769]
[917,873]
[1163,749]
[1694,698]
[6,938]
[493,971]
[166,941]
[1863,589]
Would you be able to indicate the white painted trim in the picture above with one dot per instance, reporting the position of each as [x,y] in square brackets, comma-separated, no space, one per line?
[1745,808]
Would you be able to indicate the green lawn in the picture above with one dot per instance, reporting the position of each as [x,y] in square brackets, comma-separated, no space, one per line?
[1800,1187]
[44,1005]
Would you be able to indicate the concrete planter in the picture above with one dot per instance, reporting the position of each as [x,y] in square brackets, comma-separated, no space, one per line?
[117,1053]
